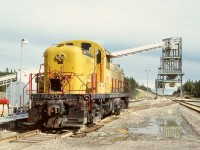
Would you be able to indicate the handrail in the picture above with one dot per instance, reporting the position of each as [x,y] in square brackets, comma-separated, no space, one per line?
[66,85]
[127,87]
[80,80]
[28,91]
[30,81]
[61,74]
[70,81]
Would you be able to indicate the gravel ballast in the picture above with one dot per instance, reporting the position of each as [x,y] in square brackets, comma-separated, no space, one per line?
[169,127]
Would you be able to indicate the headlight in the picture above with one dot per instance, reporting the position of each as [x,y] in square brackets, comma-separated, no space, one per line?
[62,57]
[57,56]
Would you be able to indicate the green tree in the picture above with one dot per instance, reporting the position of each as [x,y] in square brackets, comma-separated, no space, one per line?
[190,88]
[197,89]
[7,70]
[132,84]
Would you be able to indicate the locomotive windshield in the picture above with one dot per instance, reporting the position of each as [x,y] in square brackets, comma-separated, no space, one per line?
[86,46]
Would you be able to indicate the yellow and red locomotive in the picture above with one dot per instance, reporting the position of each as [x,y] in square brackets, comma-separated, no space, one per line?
[79,85]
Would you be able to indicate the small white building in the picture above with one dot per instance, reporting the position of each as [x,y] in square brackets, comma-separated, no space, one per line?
[13,94]
[14,90]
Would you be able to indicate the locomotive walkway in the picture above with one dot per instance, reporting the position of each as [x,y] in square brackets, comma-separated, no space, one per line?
[13,118]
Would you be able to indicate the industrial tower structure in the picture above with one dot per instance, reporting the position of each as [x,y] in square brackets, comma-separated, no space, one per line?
[170,70]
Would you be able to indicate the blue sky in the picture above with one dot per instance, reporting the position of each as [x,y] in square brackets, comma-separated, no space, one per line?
[116,24]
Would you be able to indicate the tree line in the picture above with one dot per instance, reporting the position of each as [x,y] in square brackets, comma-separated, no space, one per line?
[191,88]
[133,85]
[7,72]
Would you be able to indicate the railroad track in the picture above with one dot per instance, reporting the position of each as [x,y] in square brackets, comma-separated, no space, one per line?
[94,127]
[191,104]
[27,139]
[30,138]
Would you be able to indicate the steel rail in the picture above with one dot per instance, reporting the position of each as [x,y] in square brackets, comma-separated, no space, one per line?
[189,104]
[20,136]
[28,139]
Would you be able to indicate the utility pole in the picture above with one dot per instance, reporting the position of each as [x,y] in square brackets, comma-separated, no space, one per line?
[23,41]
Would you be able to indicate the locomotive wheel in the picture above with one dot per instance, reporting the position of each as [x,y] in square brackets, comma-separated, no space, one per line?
[117,112]
[90,116]
[126,102]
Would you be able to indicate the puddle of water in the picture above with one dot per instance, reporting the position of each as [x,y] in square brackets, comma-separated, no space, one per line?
[163,127]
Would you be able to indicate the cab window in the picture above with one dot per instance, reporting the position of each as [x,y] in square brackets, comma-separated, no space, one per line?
[71,44]
[98,56]
[86,46]
[108,62]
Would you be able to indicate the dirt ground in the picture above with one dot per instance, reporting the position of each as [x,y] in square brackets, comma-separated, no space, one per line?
[169,127]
